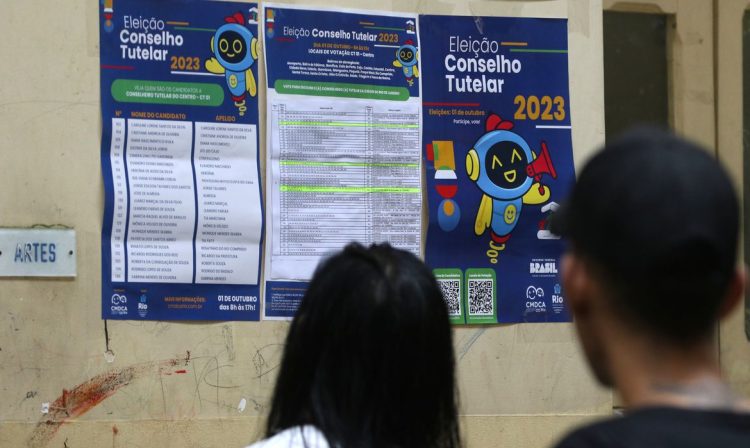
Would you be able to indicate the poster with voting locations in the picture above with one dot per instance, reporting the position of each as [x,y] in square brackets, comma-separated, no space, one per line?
[498,156]
[343,140]
[183,219]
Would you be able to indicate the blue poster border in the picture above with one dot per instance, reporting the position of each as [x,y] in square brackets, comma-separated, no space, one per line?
[197,301]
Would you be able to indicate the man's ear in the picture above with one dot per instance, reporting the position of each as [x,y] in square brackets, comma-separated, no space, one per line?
[576,282]
[735,291]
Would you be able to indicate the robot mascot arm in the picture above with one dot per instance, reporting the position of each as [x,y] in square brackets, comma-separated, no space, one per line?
[252,87]
[213,66]
[484,215]
[538,193]
[533,197]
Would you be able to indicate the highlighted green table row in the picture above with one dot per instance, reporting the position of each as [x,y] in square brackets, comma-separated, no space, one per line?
[341,90]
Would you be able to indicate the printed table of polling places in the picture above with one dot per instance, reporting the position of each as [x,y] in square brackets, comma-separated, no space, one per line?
[344,140]
[182,227]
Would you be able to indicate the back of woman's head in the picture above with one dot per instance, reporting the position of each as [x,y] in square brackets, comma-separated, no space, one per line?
[369,358]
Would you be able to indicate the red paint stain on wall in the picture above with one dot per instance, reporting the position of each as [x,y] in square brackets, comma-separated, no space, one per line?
[82,398]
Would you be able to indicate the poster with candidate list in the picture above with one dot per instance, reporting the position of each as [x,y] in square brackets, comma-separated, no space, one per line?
[183,218]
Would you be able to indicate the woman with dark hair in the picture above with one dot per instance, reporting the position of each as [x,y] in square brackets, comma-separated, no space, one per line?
[368,359]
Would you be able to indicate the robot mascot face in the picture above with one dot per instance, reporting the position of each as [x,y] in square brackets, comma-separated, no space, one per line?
[407,55]
[497,164]
[232,47]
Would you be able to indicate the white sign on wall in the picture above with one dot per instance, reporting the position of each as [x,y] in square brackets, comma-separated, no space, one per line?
[37,253]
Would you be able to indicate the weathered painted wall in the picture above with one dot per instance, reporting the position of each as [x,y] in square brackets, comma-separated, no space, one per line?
[734,345]
[176,384]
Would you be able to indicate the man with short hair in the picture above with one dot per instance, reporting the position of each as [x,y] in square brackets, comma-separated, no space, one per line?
[652,227]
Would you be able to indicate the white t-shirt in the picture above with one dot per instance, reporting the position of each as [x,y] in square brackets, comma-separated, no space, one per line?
[306,436]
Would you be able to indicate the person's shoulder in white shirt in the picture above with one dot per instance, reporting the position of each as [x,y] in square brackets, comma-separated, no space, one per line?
[306,436]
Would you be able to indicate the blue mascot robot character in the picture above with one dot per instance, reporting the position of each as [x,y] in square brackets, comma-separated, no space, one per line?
[235,51]
[509,174]
[406,58]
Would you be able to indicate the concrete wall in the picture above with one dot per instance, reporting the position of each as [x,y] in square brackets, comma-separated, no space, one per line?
[521,386]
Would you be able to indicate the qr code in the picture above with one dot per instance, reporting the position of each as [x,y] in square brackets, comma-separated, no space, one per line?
[481,297]
[451,290]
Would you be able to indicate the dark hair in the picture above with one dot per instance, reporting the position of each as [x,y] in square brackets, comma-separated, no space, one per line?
[369,356]
[658,218]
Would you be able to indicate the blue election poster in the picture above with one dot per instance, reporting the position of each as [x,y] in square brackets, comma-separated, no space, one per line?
[183,220]
[343,140]
[498,157]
